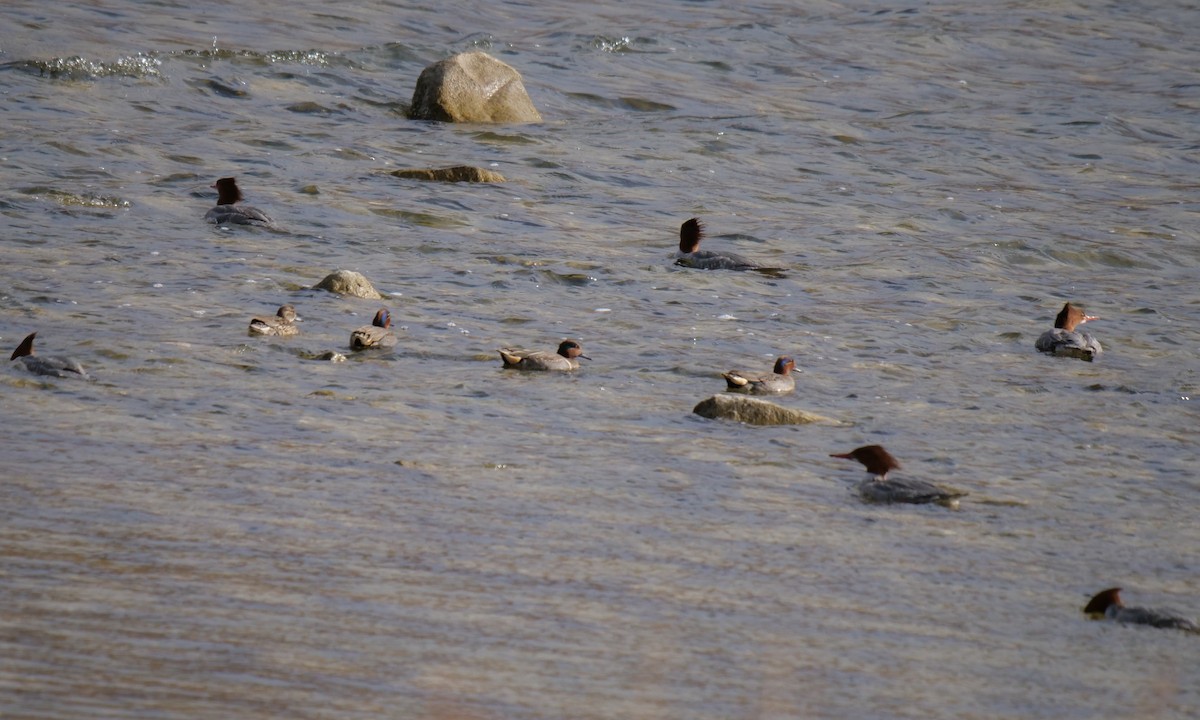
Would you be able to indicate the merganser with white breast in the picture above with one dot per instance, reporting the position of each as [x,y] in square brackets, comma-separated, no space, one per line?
[1065,340]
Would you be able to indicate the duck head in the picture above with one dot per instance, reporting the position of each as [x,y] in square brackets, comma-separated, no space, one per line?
[1102,601]
[690,233]
[571,350]
[383,318]
[228,191]
[784,365]
[25,348]
[877,460]
[1071,316]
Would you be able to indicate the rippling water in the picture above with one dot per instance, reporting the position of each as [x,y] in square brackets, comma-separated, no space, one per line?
[219,526]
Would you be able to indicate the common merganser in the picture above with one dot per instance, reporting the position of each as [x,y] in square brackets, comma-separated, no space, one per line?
[882,490]
[282,323]
[1064,340]
[778,381]
[1107,605]
[563,359]
[63,367]
[230,210]
[375,335]
[691,232]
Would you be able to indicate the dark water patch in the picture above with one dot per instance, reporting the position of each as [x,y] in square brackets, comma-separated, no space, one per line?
[498,138]
[314,108]
[422,219]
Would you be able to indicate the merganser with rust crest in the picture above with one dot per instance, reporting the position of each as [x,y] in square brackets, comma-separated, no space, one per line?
[230,210]
[880,489]
[1065,340]
[376,335]
[1107,605]
[778,381]
[565,358]
[283,323]
[690,254]
[63,367]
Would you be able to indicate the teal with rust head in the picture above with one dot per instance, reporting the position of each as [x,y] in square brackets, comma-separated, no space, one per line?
[376,335]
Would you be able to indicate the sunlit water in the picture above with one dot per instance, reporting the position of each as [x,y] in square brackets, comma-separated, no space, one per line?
[220,526]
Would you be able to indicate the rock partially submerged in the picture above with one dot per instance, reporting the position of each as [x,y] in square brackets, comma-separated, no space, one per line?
[754,411]
[472,88]
[458,173]
[348,282]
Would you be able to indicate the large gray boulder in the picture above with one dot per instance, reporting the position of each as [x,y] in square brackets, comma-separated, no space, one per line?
[348,282]
[754,411]
[472,88]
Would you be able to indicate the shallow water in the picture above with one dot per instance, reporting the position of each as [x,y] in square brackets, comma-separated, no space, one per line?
[218,526]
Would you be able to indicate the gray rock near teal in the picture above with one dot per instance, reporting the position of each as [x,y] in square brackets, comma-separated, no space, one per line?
[458,173]
[348,282]
[472,88]
[754,411]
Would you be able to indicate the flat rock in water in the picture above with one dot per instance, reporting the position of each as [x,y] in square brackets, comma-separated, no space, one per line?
[458,173]
[472,88]
[754,411]
[348,282]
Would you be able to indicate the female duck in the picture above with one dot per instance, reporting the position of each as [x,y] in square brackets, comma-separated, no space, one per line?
[1107,605]
[880,489]
[230,210]
[376,335]
[1065,340]
[690,254]
[778,381]
[283,323]
[563,359]
[62,367]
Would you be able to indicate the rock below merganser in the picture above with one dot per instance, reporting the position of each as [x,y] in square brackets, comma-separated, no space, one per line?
[880,489]
[54,366]
[472,88]
[565,358]
[754,411]
[348,282]
[1064,340]
[1107,605]
[230,210]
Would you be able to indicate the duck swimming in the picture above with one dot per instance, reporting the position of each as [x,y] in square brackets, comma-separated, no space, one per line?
[880,489]
[230,210]
[1107,605]
[778,381]
[62,367]
[562,359]
[690,254]
[283,323]
[376,335]
[1064,340]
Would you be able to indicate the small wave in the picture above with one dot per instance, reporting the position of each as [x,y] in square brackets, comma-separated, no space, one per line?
[80,68]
